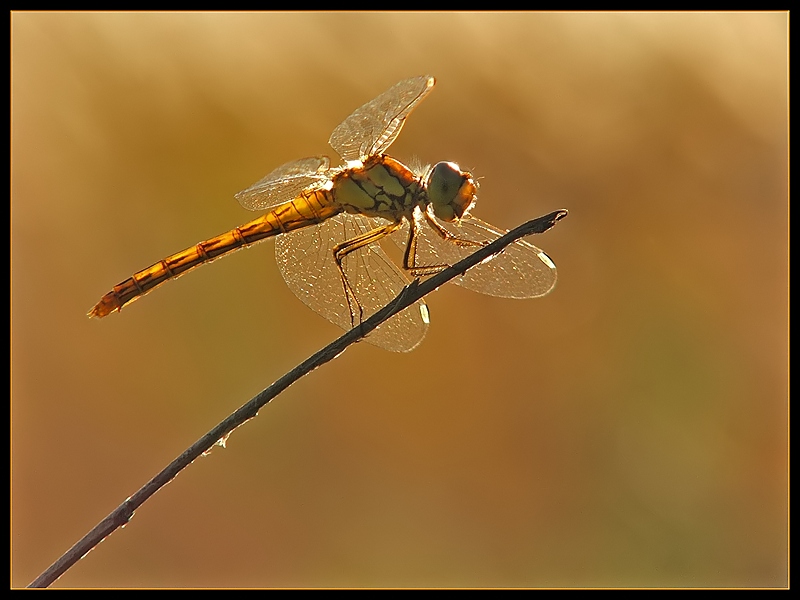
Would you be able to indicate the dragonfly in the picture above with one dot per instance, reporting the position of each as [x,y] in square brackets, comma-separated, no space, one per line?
[331,223]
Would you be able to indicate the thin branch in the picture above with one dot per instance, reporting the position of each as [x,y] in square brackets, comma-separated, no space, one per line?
[408,296]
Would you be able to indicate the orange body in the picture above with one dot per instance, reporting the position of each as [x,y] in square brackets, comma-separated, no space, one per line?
[309,208]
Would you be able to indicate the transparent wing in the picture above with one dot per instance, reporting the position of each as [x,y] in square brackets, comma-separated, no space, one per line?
[285,183]
[521,271]
[305,259]
[372,128]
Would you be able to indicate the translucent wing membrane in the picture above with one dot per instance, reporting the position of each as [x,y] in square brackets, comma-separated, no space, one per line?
[285,183]
[305,259]
[372,128]
[521,271]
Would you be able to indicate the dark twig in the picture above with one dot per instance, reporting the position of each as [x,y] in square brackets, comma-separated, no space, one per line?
[409,294]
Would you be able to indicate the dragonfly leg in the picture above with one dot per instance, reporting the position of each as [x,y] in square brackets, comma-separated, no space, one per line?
[410,257]
[340,251]
[447,236]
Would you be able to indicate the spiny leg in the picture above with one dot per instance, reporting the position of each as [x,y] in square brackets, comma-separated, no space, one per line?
[410,256]
[340,251]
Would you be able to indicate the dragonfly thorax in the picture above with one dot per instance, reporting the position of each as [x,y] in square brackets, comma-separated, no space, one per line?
[381,187]
[451,191]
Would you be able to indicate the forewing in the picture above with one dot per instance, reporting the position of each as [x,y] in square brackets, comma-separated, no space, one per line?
[372,128]
[521,271]
[285,183]
[305,259]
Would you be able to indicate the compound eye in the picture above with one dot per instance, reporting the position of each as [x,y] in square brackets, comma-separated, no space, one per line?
[451,191]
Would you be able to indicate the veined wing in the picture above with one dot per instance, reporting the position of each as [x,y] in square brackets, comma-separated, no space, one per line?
[305,259]
[285,183]
[521,271]
[372,128]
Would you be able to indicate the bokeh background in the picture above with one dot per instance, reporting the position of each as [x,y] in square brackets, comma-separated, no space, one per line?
[629,429]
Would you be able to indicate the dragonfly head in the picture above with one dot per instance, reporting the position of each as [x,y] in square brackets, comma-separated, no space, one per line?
[451,191]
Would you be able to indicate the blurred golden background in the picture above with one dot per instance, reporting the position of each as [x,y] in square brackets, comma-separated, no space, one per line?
[629,429]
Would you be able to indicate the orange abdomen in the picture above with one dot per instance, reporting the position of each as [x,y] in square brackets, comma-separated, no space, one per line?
[307,209]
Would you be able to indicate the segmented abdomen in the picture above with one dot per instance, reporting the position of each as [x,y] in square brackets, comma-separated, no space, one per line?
[307,209]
